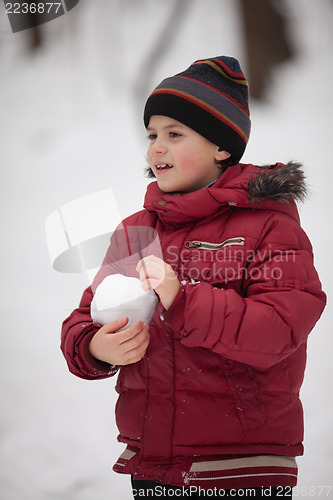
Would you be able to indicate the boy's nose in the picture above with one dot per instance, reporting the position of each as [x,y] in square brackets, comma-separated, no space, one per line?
[159,146]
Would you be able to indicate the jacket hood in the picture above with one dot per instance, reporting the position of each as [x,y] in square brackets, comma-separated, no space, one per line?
[279,182]
[270,187]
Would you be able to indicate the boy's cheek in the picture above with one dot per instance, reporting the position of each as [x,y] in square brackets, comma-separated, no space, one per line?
[149,157]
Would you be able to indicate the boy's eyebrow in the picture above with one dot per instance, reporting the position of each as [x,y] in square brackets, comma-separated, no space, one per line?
[179,125]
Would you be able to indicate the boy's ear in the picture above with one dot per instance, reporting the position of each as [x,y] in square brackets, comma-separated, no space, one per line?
[221,154]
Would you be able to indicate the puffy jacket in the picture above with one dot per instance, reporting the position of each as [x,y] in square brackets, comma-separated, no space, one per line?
[226,361]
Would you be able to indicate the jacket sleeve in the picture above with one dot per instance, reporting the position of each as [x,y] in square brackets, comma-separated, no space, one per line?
[77,331]
[281,303]
[79,328]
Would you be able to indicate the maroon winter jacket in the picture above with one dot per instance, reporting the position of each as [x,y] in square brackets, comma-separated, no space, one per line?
[226,361]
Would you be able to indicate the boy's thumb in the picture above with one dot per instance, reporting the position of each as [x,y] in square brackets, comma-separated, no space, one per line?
[116,325]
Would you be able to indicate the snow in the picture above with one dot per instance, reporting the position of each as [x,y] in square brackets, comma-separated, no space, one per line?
[119,296]
[71,126]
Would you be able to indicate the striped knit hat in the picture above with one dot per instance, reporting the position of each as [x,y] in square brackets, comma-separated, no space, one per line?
[210,97]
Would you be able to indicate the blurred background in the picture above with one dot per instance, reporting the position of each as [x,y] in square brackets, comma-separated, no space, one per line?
[71,100]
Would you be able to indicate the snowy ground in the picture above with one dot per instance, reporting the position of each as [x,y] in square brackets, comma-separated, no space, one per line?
[70,127]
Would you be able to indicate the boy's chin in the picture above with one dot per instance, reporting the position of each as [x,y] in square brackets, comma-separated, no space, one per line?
[167,188]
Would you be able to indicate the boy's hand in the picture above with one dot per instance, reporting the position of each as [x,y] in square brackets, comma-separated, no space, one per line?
[120,348]
[156,274]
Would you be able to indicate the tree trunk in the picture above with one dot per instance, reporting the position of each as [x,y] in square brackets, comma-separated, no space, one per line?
[267,42]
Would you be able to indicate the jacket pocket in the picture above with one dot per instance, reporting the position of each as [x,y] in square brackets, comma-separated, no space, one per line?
[247,398]
[205,245]
[220,264]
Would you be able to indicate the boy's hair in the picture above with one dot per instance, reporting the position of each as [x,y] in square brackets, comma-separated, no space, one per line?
[210,97]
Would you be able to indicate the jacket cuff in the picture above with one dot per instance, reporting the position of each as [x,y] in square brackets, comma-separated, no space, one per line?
[90,364]
[174,316]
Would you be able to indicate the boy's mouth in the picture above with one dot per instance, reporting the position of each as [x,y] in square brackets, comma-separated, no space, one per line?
[163,166]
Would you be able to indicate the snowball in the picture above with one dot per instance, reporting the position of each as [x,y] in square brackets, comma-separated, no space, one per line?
[118,296]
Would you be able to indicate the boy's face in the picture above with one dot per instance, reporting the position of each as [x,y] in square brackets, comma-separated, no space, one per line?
[181,159]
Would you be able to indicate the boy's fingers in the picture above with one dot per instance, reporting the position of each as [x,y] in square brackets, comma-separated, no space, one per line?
[116,325]
[131,332]
[142,270]
[139,343]
[146,285]
[142,274]
[141,266]
[150,260]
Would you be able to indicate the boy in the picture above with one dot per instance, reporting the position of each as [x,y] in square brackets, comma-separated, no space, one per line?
[209,391]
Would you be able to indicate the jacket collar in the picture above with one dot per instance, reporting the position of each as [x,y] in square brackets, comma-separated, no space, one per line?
[230,189]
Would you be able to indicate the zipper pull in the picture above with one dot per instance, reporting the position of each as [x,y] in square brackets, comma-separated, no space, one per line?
[193,244]
[215,246]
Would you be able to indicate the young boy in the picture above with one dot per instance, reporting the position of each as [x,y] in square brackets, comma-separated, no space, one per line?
[209,392]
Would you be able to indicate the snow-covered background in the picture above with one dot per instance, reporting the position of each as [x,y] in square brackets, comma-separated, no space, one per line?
[71,125]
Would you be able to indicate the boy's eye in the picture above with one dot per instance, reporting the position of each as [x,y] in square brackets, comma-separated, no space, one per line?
[173,135]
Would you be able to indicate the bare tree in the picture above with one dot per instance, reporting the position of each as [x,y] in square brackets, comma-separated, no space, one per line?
[172,24]
[266,38]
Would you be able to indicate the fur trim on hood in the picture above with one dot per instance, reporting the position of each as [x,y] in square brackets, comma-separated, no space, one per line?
[278,182]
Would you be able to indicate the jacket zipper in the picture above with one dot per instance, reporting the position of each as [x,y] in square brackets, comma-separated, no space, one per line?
[215,246]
